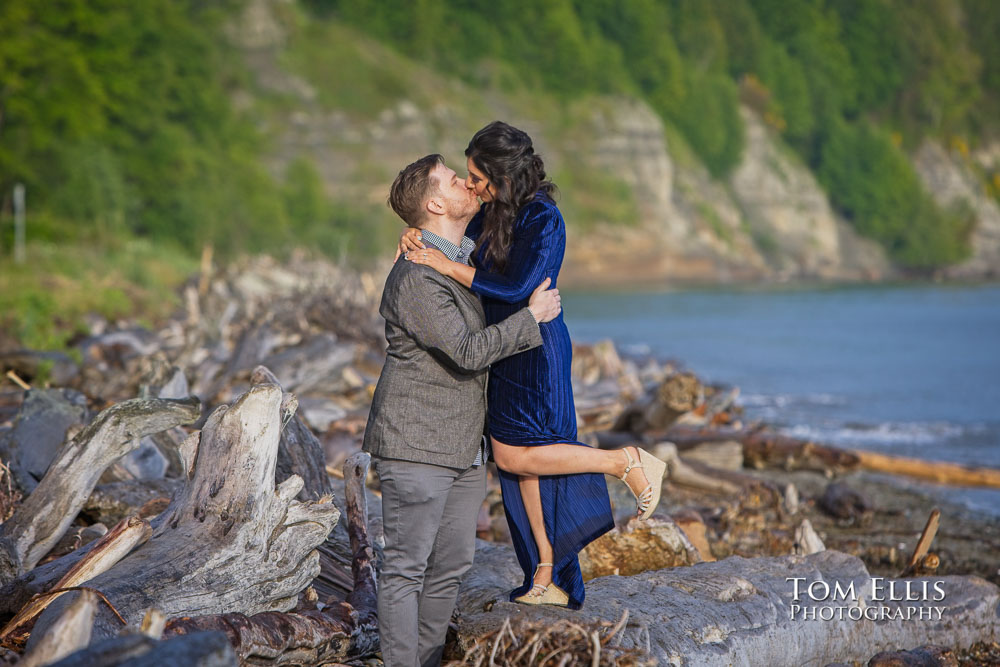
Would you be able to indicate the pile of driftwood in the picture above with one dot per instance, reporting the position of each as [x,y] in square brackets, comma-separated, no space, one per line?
[315,325]
[160,490]
[232,551]
[177,491]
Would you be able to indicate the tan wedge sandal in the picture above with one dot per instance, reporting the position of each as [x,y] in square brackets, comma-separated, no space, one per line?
[654,469]
[539,594]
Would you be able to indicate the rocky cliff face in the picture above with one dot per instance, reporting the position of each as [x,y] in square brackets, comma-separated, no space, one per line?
[790,215]
[951,179]
[687,229]
[770,221]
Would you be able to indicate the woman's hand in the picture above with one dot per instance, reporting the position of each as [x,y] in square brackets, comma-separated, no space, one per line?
[409,240]
[433,258]
[545,304]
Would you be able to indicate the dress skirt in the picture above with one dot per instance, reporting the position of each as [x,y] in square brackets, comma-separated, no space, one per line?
[576,507]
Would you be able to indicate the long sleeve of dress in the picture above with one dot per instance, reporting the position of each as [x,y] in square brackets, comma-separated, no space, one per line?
[536,238]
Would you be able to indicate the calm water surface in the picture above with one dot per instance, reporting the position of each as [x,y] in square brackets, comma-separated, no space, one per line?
[905,370]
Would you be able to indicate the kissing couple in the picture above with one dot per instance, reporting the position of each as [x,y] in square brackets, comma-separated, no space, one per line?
[478,366]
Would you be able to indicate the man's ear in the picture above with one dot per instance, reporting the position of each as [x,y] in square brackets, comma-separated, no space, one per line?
[435,206]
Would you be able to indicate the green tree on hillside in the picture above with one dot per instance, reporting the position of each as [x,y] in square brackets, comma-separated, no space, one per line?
[941,74]
[982,21]
[874,46]
[116,115]
[873,184]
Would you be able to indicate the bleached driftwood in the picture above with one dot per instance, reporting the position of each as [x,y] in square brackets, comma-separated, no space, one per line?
[677,394]
[337,632]
[230,540]
[299,452]
[681,472]
[766,449]
[44,515]
[742,610]
[70,633]
[108,550]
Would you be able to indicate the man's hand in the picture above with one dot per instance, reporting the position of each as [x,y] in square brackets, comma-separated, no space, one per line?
[544,302]
[409,240]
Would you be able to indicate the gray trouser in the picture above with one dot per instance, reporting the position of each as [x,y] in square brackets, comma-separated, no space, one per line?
[429,519]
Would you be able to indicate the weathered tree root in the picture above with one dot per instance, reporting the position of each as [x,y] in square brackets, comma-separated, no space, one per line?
[342,631]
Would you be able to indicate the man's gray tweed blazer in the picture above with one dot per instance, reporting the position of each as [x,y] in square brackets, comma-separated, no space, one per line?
[430,402]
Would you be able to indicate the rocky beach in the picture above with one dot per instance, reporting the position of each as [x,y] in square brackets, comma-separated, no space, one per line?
[766,549]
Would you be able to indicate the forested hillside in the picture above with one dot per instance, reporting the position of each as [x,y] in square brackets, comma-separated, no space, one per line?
[850,84]
[148,120]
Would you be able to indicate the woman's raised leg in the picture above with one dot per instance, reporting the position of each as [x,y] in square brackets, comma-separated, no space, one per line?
[566,459]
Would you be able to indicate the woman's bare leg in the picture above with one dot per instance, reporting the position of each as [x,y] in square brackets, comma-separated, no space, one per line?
[559,459]
[532,499]
[566,459]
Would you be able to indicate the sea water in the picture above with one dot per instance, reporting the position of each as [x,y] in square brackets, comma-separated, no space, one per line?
[907,370]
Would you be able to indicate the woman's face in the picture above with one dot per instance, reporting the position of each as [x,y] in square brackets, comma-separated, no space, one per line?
[477,182]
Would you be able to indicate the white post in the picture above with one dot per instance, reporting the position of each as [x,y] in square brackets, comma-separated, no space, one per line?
[19,223]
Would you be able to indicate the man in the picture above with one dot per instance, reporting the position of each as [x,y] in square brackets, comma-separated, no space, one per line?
[425,429]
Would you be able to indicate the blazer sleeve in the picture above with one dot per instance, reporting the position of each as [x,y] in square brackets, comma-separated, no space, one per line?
[426,309]
[535,241]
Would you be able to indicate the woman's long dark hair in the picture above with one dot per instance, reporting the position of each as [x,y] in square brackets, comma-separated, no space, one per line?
[506,157]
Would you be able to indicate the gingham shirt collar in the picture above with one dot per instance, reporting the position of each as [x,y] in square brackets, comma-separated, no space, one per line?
[451,251]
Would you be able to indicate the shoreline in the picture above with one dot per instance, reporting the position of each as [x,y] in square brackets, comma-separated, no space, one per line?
[624,286]
[315,326]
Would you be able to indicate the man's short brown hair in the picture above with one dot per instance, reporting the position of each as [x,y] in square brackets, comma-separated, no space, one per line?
[412,187]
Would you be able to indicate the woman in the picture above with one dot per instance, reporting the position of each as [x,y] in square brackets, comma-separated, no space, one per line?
[554,492]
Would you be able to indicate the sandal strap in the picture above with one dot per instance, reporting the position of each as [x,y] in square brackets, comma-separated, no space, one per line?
[645,498]
[541,591]
[630,464]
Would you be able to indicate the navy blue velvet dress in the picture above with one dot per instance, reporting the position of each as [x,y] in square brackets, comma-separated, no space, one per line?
[530,401]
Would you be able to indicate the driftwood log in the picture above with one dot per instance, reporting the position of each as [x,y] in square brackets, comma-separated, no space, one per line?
[933,471]
[686,473]
[44,515]
[300,453]
[337,632]
[230,540]
[740,611]
[70,633]
[677,394]
[766,449]
[110,549]
[202,649]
